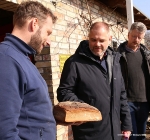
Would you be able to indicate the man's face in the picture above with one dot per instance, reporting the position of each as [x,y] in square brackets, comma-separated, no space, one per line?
[134,38]
[99,40]
[41,38]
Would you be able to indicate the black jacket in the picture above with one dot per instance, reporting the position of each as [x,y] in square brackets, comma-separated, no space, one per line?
[123,62]
[83,81]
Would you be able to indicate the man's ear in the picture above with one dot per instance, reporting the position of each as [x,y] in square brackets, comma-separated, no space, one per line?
[110,38]
[34,26]
[128,34]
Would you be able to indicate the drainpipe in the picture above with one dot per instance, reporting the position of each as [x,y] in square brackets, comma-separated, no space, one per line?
[130,14]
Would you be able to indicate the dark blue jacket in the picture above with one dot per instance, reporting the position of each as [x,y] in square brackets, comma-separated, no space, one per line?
[25,106]
[82,80]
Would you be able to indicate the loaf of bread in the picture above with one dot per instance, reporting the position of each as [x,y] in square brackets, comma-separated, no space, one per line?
[76,112]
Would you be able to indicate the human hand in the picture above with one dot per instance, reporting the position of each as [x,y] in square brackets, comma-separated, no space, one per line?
[68,123]
[126,134]
[78,123]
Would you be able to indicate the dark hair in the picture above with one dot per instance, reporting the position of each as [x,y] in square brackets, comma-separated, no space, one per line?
[98,24]
[31,9]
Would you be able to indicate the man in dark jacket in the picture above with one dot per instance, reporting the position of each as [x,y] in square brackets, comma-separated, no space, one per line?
[25,106]
[135,65]
[93,75]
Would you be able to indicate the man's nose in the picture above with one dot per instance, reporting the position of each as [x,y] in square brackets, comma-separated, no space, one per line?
[98,43]
[137,39]
[48,42]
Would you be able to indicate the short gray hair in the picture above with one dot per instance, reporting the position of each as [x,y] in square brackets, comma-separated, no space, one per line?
[138,26]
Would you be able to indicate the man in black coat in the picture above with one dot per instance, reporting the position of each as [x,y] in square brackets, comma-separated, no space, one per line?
[93,75]
[135,65]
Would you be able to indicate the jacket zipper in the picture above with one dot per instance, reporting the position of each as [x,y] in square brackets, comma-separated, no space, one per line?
[41,134]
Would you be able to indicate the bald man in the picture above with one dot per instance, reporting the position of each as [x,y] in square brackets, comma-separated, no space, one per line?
[93,75]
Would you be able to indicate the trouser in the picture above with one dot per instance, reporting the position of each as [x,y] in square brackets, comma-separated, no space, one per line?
[139,114]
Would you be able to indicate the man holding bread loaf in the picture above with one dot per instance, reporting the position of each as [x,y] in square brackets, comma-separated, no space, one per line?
[93,76]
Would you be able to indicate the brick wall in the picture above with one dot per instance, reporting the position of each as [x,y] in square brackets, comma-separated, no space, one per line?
[74,20]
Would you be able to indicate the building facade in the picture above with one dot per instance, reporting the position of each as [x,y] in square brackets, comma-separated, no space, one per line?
[74,20]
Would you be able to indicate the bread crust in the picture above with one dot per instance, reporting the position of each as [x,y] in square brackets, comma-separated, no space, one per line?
[76,112]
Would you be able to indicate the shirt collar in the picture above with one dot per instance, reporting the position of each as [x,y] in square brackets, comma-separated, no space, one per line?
[130,50]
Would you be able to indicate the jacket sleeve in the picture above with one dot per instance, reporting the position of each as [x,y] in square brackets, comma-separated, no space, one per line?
[68,82]
[10,98]
[126,124]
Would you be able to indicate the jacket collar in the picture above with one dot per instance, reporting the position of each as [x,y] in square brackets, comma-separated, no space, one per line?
[83,49]
[112,56]
[145,50]
[19,45]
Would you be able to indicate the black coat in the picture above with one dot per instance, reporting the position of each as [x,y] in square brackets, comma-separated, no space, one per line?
[83,81]
[123,62]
